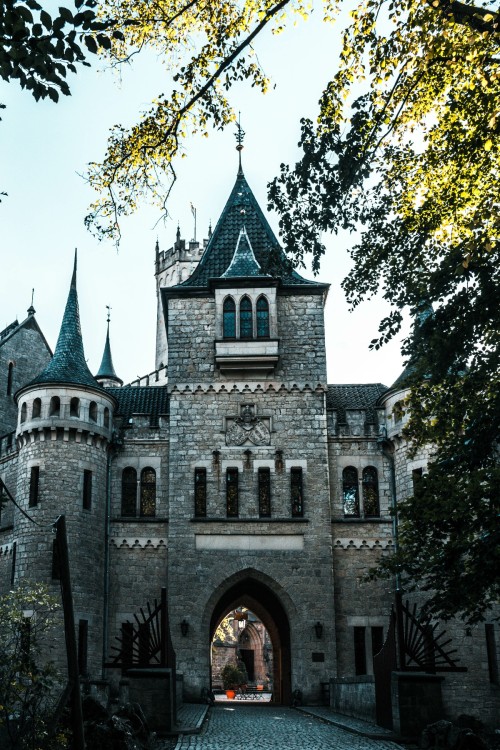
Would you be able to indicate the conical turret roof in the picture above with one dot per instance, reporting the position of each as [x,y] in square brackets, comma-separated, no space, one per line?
[68,364]
[107,370]
[223,249]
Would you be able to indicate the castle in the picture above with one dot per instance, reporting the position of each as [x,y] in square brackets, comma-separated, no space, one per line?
[233,476]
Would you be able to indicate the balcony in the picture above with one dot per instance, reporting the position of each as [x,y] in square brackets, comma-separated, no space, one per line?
[256,356]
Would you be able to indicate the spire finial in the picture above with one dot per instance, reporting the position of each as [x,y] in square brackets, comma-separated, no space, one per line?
[108,308]
[73,278]
[31,309]
[240,135]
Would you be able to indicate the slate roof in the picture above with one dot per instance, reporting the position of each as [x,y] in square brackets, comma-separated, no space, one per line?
[339,398]
[68,365]
[242,210]
[107,370]
[149,400]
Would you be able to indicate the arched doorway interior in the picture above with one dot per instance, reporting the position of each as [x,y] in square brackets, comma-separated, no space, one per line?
[258,598]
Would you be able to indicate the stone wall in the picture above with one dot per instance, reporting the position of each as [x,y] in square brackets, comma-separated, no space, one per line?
[354,696]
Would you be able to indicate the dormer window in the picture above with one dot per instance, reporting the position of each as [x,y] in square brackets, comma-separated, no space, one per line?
[262,318]
[246,319]
[229,318]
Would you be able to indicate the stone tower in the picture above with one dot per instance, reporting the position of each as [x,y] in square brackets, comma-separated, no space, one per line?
[249,504]
[63,436]
[172,267]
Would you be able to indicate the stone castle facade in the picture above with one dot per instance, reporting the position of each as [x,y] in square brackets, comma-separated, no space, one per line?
[233,476]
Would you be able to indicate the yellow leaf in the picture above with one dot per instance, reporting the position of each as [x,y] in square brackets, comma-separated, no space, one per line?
[488,144]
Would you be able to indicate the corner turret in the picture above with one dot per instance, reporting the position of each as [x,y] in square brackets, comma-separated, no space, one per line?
[106,375]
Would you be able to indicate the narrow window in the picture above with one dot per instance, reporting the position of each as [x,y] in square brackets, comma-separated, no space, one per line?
[262,318]
[350,492]
[416,476]
[93,411]
[359,651]
[377,639]
[371,505]
[56,570]
[37,408]
[129,491]
[296,491]
[83,634]
[246,319]
[264,479]
[200,492]
[74,407]
[229,318]
[143,644]
[13,569]
[34,485]
[10,375]
[87,490]
[148,492]
[491,652]
[23,412]
[127,643]
[55,406]
[25,641]
[106,417]
[232,492]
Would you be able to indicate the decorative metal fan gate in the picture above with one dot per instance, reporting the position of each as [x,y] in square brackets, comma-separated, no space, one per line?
[145,642]
[413,644]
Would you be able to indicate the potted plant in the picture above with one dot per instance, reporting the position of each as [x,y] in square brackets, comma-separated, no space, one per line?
[232,677]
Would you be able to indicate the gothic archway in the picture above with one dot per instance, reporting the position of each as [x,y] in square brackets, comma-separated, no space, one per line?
[258,597]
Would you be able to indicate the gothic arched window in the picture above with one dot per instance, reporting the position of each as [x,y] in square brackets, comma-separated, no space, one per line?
[229,319]
[55,406]
[106,417]
[74,407]
[350,491]
[262,318]
[24,409]
[200,492]
[93,411]
[129,491]
[148,492]
[371,505]
[37,408]
[246,319]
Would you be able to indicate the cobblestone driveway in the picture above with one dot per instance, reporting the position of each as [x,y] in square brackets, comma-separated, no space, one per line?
[261,728]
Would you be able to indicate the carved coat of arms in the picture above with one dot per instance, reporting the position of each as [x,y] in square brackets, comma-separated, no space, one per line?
[247,428]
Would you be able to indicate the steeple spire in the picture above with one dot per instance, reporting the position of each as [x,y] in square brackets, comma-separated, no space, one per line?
[68,365]
[106,370]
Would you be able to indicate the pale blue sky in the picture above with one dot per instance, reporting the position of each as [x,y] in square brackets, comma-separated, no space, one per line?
[44,149]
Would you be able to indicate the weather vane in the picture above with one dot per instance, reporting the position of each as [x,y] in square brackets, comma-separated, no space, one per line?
[109,313]
[240,134]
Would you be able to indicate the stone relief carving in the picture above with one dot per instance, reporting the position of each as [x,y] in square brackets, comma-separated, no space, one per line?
[247,428]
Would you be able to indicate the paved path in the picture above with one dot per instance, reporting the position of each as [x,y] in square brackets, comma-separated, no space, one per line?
[268,728]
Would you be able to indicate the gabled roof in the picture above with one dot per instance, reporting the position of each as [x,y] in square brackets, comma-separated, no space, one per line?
[242,210]
[149,400]
[244,263]
[342,397]
[68,365]
[27,323]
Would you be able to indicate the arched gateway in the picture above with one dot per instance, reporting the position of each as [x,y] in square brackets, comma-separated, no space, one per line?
[250,589]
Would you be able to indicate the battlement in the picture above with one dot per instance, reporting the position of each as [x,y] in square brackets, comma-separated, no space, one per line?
[181,252]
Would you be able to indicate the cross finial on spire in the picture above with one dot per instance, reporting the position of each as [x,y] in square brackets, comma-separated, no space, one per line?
[108,308]
[240,135]
[31,309]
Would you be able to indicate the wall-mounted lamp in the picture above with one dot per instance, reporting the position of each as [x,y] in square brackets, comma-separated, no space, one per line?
[248,458]
[216,457]
[184,627]
[318,629]
[278,460]
[468,632]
